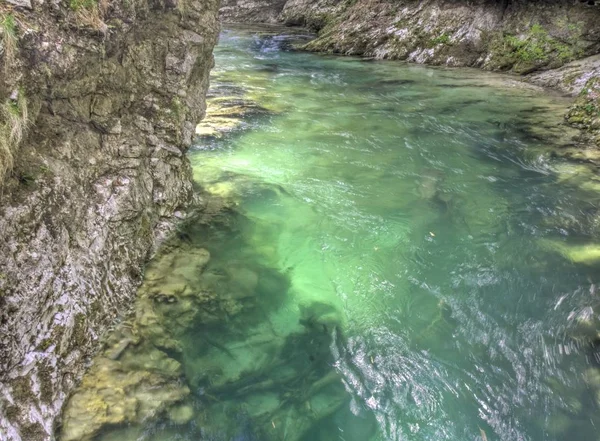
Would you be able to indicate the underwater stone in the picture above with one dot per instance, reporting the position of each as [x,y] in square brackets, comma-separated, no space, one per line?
[115,352]
[243,281]
[558,423]
[110,394]
[319,316]
[592,378]
[181,414]
[588,254]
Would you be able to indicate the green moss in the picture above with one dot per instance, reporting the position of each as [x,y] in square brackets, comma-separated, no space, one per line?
[57,333]
[440,39]
[46,388]
[586,110]
[21,389]
[79,336]
[535,49]
[33,431]
[78,5]
[11,412]
[45,344]
[177,108]
[319,21]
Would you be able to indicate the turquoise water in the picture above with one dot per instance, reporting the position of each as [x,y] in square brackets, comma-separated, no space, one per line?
[412,261]
[418,203]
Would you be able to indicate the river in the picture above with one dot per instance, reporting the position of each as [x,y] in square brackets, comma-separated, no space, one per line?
[421,264]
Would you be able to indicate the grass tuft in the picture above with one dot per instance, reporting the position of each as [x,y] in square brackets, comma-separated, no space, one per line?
[91,13]
[8,39]
[14,118]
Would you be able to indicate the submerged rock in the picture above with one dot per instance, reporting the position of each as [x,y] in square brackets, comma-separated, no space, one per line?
[320,317]
[587,254]
[181,414]
[113,394]
[225,114]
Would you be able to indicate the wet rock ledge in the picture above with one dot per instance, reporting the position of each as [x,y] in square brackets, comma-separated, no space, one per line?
[99,101]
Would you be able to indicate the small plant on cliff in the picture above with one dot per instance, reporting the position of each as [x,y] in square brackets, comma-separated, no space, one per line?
[91,13]
[13,123]
[8,34]
[440,39]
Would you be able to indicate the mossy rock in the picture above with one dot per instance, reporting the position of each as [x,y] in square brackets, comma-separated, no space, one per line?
[585,111]
[532,50]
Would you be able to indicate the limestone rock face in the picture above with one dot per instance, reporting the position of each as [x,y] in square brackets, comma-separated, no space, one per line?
[518,35]
[98,180]
[21,3]
[570,78]
[260,11]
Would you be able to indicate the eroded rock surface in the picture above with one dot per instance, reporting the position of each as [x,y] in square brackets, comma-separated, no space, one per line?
[112,99]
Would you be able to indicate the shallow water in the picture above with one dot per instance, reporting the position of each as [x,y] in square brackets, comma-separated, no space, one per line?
[405,235]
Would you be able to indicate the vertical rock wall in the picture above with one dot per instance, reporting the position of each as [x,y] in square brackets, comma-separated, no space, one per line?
[113,91]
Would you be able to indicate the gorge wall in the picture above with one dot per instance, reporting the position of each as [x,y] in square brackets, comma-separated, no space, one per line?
[516,35]
[98,104]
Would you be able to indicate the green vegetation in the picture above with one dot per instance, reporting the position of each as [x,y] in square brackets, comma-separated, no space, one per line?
[177,108]
[77,5]
[537,48]
[586,109]
[91,13]
[9,39]
[440,39]
[13,123]
[45,344]
[591,109]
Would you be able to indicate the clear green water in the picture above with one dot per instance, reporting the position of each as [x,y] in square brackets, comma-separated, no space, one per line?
[403,222]
[414,201]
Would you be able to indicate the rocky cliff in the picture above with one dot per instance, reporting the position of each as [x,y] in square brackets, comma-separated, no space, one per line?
[98,103]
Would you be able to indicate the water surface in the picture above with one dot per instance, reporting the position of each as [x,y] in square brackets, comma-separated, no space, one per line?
[423,267]
[417,202]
